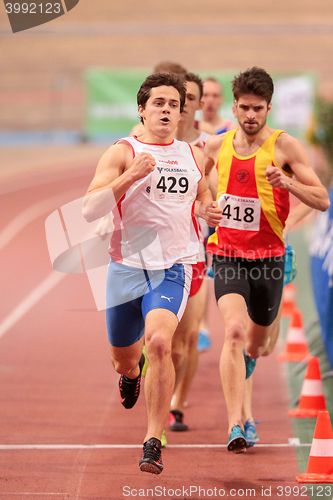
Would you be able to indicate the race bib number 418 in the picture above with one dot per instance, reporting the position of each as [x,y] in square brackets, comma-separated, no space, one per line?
[240,213]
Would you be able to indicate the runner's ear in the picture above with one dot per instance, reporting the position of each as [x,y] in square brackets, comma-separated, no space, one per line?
[141,110]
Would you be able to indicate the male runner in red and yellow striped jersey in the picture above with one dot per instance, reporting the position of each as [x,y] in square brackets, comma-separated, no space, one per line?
[256,169]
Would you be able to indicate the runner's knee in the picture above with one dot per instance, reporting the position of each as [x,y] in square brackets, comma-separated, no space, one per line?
[178,358]
[235,333]
[125,366]
[193,339]
[178,351]
[268,347]
[158,345]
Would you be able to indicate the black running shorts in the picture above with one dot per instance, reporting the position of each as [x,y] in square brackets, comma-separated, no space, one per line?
[260,282]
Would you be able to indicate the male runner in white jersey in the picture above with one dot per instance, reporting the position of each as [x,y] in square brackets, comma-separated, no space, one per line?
[155,182]
[187,129]
[184,347]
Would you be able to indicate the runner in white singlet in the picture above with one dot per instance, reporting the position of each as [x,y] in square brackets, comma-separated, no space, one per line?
[184,347]
[153,188]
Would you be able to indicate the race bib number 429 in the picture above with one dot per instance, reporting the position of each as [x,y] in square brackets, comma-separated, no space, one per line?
[169,187]
[239,212]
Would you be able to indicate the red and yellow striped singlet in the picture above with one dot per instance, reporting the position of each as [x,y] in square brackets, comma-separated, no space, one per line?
[254,212]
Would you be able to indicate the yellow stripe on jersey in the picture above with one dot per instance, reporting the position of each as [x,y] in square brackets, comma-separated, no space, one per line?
[265,190]
[224,158]
[223,173]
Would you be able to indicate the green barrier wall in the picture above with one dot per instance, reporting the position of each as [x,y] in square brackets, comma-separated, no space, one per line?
[111,109]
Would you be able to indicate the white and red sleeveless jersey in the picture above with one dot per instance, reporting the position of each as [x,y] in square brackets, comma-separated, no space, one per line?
[155,226]
[203,227]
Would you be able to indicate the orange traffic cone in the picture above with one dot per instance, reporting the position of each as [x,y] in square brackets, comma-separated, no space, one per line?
[312,396]
[288,299]
[320,463]
[296,348]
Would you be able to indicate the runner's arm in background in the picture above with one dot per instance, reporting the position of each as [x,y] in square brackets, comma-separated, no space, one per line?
[211,151]
[297,215]
[306,185]
[212,182]
[205,206]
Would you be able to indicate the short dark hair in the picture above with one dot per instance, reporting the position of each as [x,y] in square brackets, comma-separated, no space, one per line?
[192,77]
[253,81]
[157,80]
[169,67]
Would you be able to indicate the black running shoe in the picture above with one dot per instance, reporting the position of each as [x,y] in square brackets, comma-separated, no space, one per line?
[151,460]
[130,388]
[176,423]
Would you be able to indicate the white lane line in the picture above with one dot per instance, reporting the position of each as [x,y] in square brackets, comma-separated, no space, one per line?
[22,447]
[30,300]
[294,441]
[20,221]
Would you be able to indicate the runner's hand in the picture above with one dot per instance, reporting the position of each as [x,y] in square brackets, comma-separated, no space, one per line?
[211,212]
[104,226]
[277,178]
[142,165]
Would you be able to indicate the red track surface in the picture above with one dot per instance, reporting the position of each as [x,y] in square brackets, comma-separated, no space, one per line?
[57,386]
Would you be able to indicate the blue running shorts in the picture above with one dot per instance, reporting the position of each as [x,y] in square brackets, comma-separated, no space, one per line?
[131,293]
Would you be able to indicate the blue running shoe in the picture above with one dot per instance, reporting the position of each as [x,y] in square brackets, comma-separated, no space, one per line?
[250,364]
[250,432]
[210,272]
[237,441]
[204,342]
[290,268]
